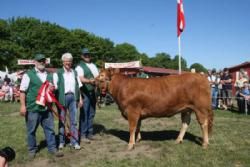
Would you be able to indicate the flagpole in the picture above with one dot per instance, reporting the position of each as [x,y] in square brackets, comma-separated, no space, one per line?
[179,48]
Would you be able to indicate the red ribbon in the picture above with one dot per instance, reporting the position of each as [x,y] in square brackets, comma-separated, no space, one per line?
[46,97]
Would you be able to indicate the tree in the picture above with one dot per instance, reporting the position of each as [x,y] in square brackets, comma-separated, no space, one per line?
[162,60]
[125,52]
[23,37]
[175,63]
[198,67]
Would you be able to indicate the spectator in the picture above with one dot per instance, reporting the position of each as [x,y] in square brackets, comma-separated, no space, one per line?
[244,97]
[240,79]
[219,97]
[193,70]
[6,91]
[214,81]
[87,72]
[239,84]
[36,114]
[66,83]
[226,81]
[142,74]
[7,79]
[1,82]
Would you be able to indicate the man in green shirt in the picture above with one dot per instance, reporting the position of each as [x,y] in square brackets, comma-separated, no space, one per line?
[36,114]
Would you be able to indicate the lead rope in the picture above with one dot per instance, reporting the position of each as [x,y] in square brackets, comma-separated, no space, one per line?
[45,98]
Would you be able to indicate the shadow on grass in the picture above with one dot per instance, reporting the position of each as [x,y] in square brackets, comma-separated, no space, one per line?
[99,129]
[42,145]
[156,135]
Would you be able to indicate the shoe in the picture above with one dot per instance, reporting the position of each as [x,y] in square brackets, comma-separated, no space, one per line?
[61,145]
[85,140]
[32,156]
[91,137]
[57,154]
[77,147]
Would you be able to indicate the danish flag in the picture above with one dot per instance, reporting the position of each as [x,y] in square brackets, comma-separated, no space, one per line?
[180,17]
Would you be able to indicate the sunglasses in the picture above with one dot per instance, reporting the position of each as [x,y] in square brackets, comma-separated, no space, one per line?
[86,55]
[42,61]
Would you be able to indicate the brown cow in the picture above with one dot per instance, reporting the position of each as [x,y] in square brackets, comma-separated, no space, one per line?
[166,96]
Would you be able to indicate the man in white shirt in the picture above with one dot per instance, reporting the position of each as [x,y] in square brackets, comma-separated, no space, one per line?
[87,72]
[36,114]
[66,83]
[214,82]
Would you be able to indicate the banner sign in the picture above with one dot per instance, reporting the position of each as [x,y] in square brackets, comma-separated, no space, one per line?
[131,64]
[30,62]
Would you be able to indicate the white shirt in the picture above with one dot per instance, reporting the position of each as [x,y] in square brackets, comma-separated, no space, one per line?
[69,81]
[26,80]
[92,68]
[213,79]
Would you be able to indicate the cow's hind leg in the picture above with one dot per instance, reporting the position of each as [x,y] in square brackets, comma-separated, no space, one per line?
[185,118]
[138,132]
[202,118]
[132,120]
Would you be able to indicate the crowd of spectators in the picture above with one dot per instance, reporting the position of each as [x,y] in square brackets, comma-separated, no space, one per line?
[9,90]
[222,83]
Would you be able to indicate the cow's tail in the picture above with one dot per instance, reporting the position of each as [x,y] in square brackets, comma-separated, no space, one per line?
[210,121]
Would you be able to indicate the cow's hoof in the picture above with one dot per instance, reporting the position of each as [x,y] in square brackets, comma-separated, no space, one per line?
[204,145]
[130,147]
[178,141]
[138,140]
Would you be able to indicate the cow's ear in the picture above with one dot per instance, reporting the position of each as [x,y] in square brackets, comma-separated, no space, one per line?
[113,71]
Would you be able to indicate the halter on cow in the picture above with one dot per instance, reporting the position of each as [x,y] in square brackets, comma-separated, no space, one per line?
[139,98]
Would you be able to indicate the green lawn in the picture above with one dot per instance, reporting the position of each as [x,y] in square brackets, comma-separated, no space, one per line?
[229,146]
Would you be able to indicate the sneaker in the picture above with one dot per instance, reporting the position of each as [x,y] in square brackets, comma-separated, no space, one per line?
[57,154]
[85,140]
[61,145]
[77,147]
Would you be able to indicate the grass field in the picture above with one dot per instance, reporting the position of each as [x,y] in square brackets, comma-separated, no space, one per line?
[229,146]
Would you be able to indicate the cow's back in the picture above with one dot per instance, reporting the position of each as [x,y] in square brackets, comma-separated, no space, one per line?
[162,96]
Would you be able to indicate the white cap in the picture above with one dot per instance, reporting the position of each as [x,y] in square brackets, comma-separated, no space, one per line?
[67,56]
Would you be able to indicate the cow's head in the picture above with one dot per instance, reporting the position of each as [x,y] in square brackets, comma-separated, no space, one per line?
[105,76]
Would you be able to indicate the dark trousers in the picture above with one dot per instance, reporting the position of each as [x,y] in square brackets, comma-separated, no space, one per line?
[87,114]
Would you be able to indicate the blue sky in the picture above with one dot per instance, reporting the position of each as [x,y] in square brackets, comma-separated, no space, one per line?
[217,32]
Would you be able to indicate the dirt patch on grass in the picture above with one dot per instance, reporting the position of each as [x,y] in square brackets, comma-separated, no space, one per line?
[106,146]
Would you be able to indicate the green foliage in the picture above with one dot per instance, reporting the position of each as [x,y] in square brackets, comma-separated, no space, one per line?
[22,37]
[176,62]
[198,67]
[125,52]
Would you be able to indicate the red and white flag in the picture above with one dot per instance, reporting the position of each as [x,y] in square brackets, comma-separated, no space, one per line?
[180,17]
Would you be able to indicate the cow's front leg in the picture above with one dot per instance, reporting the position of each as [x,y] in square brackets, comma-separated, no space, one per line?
[204,128]
[132,120]
[185,118]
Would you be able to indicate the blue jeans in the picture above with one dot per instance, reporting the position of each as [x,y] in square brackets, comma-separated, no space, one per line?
[214,94]
[33,119]
[87,114]
[70,104]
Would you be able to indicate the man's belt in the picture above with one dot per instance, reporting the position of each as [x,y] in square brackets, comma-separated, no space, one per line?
[69,93]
